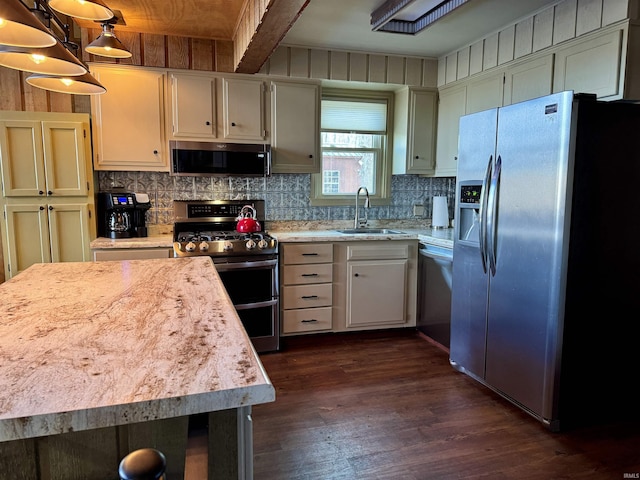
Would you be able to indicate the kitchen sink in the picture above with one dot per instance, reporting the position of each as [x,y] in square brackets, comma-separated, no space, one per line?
[368,231]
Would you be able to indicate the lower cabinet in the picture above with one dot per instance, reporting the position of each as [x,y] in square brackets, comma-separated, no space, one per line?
[375,285]
[348,286]
[45,232]
[116,254]
[306,273]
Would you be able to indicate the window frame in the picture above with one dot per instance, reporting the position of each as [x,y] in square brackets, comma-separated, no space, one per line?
[383,169]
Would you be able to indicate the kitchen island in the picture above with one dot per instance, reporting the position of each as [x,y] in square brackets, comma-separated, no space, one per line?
[100,358]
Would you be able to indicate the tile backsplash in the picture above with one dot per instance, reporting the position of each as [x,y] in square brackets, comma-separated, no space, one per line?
[286,196]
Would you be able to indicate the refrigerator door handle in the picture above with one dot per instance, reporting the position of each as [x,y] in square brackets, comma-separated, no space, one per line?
[492,214]
[483,213]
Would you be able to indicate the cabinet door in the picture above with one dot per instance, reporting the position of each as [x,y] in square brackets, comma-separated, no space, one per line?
[193,107]
[21,157]
[422,124]
[376,292]
[69,232]
[129,120]
[27,236]
[243,109]
[528,80]
[485,93]
[590,66]
[452,107]
[64,158]
[295,125]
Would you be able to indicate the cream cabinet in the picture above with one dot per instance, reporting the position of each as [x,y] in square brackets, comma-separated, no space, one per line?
[295,127]
[193,106]
[414,133]
[129,119]
[117,254]
[306,273]
[47,197]
[375,285]
[452,107]
[243,109]
[46,232]
[591,65]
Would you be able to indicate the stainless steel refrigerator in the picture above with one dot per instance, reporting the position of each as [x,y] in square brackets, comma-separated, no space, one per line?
[546,290]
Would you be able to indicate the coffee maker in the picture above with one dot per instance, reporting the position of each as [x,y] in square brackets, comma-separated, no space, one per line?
[122,214]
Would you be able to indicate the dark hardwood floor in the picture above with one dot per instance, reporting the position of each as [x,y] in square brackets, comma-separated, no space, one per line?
[389,406]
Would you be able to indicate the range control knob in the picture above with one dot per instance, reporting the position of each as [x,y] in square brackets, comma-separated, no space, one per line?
[204,246]
[251,244]
[190,247]
[262,244]
[227,246]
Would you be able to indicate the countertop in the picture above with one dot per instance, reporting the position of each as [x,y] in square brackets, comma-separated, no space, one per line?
[440,237]
[98,344]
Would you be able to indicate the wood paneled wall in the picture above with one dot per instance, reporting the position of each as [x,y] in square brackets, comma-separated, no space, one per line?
[549,27]
[148,50]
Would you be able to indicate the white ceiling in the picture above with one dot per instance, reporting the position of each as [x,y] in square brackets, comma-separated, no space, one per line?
[345,25]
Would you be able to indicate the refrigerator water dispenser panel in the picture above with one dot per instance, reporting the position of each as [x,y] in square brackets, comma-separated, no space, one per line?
[469,210]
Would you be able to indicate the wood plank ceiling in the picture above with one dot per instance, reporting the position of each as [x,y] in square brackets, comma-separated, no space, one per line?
[257,25]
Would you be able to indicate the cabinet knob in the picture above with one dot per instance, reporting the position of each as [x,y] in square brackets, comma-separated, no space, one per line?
[40,192]
[50,207]
[417,157]
[49,192]
[310,156]
[41,207]
[233,124]
[356,274]
[155,152]
[207,123]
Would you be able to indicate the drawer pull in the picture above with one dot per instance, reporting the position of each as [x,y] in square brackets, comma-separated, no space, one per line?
[309,297]
[309,275]
[309,254]
[313,320]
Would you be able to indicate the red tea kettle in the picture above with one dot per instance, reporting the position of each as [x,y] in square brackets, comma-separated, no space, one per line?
[247,222]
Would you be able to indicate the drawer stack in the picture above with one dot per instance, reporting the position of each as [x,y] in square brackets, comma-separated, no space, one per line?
[306,290]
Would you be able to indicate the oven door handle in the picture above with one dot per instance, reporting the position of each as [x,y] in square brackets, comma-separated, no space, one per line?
[222,267]
[247,306]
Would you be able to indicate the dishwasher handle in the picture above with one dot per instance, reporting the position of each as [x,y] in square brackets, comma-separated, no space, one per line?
[438,253]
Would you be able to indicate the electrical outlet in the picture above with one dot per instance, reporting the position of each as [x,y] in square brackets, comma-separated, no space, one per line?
[418,210]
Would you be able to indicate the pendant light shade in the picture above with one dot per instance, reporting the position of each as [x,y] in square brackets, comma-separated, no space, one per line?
[108,45]
[55,60]
[87,9]
[81,85]
[19,27]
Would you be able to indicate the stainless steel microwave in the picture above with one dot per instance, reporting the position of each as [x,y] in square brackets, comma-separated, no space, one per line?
[210,158]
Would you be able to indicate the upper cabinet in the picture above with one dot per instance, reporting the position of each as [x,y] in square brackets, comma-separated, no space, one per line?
[451,108]
[592,65]
[243,109]
[129,119]
[295,127]
[193,106]
[414,135]
[43,157]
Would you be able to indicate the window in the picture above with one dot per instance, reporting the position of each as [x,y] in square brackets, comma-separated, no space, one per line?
[354,147]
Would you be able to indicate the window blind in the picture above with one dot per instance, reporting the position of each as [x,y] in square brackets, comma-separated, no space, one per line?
[350,116]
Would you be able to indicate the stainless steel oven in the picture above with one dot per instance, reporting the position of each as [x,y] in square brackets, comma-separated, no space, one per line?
[246,262]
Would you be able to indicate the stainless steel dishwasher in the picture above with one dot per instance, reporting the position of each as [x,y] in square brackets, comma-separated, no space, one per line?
[434,292]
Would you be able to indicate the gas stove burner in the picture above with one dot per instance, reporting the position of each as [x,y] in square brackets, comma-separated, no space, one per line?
[217,236]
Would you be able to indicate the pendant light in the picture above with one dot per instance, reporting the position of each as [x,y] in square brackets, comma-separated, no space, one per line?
[81,85]
[107,44]
[86,9]
[20,28]
[55,60]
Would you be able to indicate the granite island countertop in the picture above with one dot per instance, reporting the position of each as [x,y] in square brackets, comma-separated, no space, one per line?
[98,344]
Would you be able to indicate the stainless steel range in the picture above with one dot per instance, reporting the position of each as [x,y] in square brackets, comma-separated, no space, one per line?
[246,262]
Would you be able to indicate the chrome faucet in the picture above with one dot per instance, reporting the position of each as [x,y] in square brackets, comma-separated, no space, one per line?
[367,204]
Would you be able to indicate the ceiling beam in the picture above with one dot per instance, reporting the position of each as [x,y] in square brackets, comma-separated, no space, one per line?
[274,25]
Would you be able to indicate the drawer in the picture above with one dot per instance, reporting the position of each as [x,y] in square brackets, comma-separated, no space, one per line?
[306,320]
[298,253]
[376,251]
[305,274]
[306,296]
